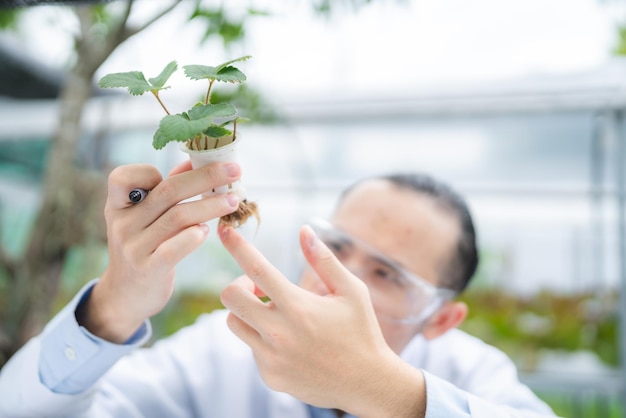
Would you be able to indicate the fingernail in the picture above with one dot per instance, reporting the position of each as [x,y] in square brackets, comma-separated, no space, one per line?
[232,200]
[223,231]
[232,169]
[309,237]
[204,228]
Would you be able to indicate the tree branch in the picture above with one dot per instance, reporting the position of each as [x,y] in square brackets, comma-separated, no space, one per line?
[119,32]
[122,32]
[128,32]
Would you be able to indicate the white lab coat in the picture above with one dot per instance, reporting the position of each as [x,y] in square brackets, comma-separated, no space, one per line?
[206,371]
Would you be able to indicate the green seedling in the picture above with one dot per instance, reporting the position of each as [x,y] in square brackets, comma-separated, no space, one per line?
[204,126]
[205,123]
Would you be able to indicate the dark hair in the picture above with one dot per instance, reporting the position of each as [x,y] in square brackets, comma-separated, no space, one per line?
[464,261]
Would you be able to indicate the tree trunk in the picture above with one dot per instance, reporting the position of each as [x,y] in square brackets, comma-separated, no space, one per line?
[65,218]
[71,209]
[71,213]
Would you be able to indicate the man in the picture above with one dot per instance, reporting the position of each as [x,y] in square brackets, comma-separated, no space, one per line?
[370,331]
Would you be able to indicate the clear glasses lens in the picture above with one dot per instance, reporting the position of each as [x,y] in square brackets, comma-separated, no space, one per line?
[397,294]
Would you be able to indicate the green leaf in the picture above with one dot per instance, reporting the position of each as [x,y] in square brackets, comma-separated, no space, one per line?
[223,72]
[226,74]
[230,75]
[215,131]
[181,127]
[221,110]
[159,81]
[134,81]
[160,140]
[227,63]
[199,72]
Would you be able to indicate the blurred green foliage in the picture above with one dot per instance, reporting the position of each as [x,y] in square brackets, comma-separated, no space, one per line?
[620,48]
[8,18]
[229,30]
[182,310]
[220,24]
[583,406]
[522,326]
[251,104]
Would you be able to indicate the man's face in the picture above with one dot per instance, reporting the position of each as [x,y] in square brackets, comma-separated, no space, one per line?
[404,226]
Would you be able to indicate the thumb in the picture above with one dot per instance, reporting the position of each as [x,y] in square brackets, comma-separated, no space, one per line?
[337,278]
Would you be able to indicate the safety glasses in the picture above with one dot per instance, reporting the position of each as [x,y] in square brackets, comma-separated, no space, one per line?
[398,295]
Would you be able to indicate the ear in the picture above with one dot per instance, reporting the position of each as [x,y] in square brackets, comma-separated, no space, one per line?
[449,316]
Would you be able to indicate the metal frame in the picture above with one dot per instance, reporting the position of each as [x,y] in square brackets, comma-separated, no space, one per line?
[621,207]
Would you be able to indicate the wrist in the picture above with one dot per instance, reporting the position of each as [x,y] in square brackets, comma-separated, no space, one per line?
[393,388]
[101,316]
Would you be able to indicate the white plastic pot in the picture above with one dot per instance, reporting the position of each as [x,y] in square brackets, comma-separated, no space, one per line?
[223,153]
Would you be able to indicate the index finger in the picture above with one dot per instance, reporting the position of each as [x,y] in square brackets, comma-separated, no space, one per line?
[266,277]
[337,278]
[180,168]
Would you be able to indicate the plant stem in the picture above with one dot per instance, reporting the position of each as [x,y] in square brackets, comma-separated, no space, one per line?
[207,100]
[156,94]
[234,129]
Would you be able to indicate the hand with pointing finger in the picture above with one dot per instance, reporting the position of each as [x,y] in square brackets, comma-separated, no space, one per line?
[326,350]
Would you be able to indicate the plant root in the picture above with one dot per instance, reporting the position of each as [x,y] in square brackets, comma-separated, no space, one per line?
[245,210]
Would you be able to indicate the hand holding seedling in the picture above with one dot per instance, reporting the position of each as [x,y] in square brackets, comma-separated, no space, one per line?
[203,127]
[147,240]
